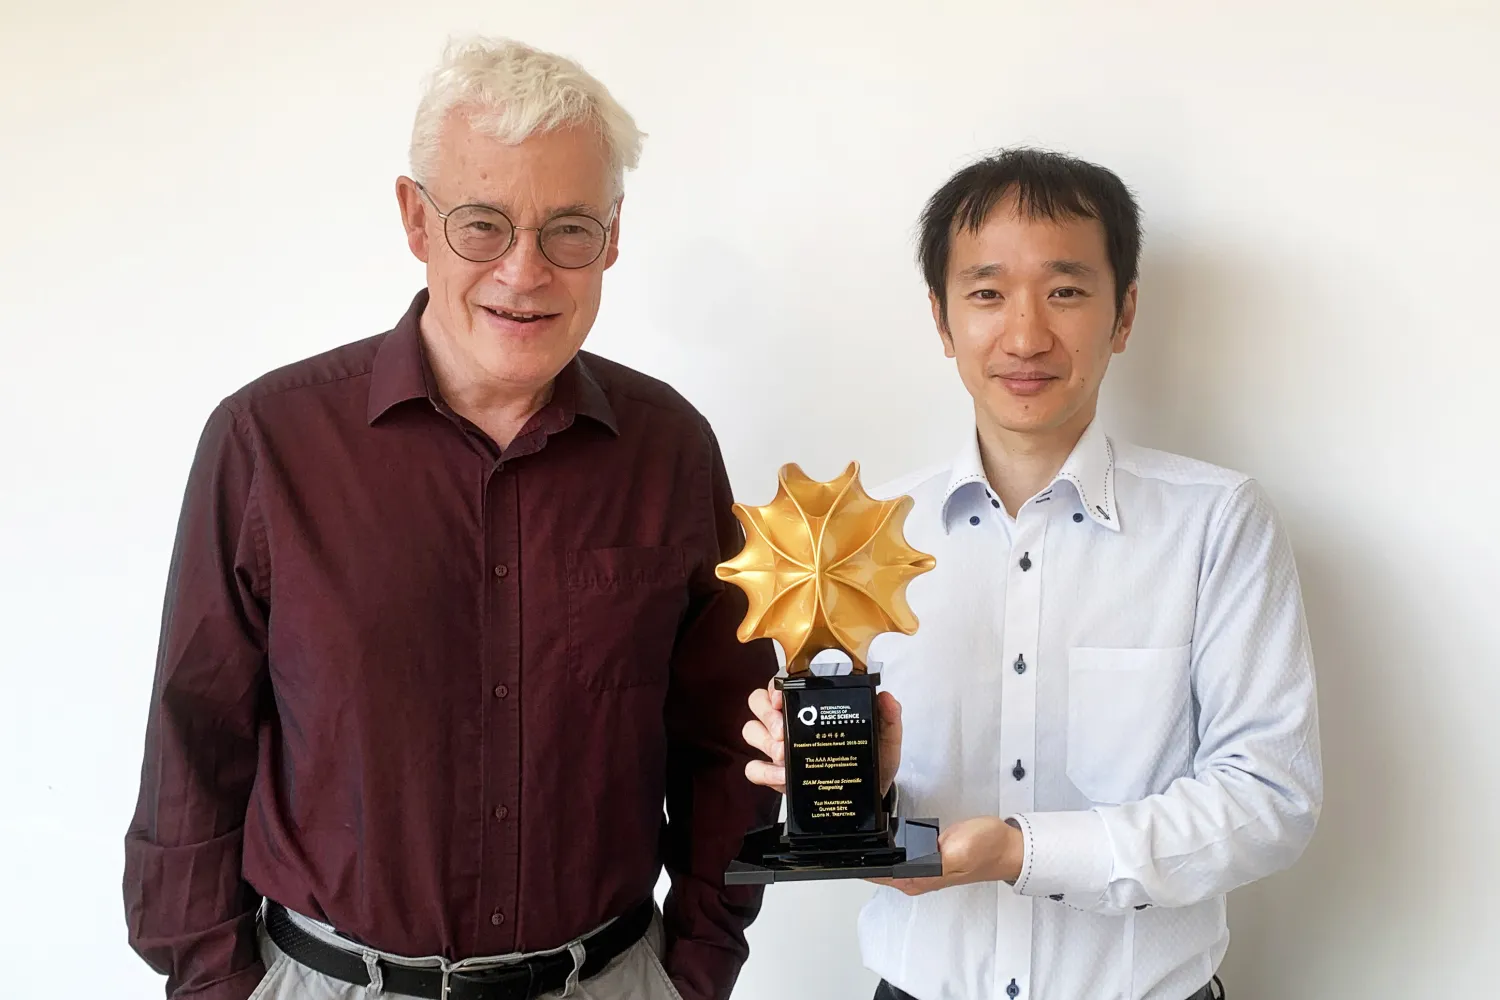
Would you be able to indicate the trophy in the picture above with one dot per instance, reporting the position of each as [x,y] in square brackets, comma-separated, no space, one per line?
[825,567]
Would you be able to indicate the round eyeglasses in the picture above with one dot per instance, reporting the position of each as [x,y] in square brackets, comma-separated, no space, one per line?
[481,234]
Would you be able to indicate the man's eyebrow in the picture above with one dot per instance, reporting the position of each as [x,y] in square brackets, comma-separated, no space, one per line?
[576,208]
[978,272]
[1075,268]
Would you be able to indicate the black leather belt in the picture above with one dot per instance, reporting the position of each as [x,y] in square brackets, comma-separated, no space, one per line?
[520,980]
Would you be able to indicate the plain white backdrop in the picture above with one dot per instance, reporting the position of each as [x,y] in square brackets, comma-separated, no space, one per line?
[194,193]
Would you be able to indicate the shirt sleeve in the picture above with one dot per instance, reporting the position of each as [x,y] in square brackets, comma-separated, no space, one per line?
[1253,799]
[189,913]
[711,805]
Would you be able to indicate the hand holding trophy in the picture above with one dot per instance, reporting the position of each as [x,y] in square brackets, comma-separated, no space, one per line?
[825,566]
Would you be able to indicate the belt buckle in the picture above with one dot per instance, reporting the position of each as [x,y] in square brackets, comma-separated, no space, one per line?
[488,975]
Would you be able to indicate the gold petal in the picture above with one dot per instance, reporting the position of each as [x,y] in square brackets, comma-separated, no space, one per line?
[781,524]
[813,498]
[854,618]
[793,617]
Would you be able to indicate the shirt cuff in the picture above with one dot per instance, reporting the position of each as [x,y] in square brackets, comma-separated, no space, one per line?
[1066,854]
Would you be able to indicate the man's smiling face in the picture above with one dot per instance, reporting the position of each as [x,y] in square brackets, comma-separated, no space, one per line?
[516,321]
[1031,318]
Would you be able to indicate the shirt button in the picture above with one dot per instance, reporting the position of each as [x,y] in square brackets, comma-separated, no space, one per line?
[502,570]
[1077,518]
[497,918]
[501,690]
[1021,664]
[1018,772]
[1025,562]
[994,502]
[1012,990]
[501,812]
[1057,898]
[974,519]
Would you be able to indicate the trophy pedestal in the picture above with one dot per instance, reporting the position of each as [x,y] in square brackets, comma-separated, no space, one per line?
[837,825]
[908,850]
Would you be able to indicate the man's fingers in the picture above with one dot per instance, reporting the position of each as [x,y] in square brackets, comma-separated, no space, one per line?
[758,737]
[767,708]
[755,734]
[769,775]
[910,886]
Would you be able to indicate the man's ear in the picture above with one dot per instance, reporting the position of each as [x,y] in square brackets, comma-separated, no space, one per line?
[1126,320]
[612,251]
[940,320]
[413,216]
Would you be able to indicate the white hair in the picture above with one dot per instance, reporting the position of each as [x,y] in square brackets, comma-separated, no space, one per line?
[513,91]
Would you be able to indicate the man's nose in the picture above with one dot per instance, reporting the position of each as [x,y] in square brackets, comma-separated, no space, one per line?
[1026,332]
[524,267]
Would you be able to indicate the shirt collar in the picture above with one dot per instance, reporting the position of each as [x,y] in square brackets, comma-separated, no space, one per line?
[401,373]
[1090,468]
[577,391]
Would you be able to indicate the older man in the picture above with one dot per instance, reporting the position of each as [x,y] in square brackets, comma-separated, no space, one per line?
[442,632]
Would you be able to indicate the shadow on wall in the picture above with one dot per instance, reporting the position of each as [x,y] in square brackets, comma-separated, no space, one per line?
[1197,380]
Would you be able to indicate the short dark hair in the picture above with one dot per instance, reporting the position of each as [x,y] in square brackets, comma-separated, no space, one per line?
[1047,185]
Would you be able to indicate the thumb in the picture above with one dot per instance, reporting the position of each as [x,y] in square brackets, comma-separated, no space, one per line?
[890,712]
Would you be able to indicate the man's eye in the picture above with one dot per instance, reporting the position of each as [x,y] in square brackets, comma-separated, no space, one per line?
[985,293]
[1068,293]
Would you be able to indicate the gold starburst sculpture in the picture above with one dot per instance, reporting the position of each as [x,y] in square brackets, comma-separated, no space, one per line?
[825,566]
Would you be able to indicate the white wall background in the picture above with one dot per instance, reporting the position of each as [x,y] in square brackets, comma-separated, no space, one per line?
[193,193]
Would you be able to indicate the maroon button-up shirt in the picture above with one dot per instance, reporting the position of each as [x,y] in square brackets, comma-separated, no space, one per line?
[436,694]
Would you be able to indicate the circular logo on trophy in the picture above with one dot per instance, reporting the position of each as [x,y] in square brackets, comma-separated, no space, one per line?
[808,716]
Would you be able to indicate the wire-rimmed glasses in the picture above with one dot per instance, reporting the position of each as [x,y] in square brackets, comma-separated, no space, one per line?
[481,234]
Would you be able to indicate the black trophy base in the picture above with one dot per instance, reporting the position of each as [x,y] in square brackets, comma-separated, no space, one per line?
[910,850]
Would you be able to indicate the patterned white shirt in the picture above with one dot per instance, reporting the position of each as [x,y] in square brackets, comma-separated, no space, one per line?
[1123,668]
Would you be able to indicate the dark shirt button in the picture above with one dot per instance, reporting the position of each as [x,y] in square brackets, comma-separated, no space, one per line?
[994,502]
[501,570]
[1056,899]
[1012,990]
[1018,772]
[501,812]
[497,918]
[1025,562]
[1021,664]
[1143,906]
[501,690]
[974,519]
[1077,518]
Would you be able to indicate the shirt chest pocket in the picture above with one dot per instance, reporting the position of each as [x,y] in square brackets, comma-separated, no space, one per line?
[624,607]
[1129,721]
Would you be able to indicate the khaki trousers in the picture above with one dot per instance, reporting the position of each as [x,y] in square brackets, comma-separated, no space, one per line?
[635,974]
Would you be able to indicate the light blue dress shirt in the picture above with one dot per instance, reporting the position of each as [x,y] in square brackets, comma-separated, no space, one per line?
[1123,668]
